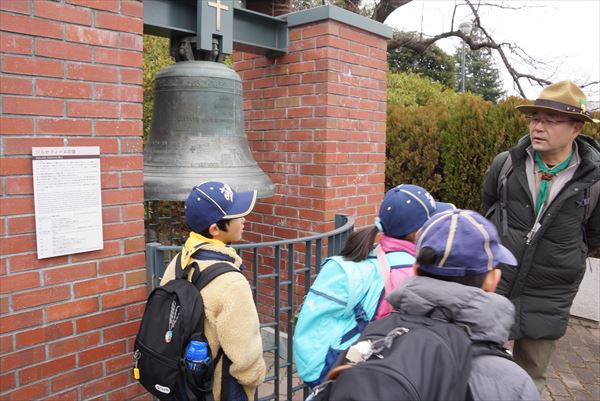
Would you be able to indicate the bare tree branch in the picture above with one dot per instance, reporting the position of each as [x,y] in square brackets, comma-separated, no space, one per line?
[385,7]
[506,6]
[484,40]
[420,44]
[409,41]
[516,75]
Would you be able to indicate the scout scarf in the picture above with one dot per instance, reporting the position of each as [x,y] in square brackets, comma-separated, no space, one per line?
[547,175]
[211,249]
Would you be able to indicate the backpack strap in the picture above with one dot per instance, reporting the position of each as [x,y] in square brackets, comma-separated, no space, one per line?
[205,393]
[502,191]
[210,273]
[354,291]
[488,348]
[384,268]
[592,193]
[505,171]
[231,388]
[201,279]
[480,348]
[183,272]
[361,322]
[178,269]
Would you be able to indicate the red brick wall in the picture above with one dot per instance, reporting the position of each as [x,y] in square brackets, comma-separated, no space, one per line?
[316,119]
[71,76]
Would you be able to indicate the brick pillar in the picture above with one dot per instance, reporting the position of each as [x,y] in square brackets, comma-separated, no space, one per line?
[316,120]
[71,76]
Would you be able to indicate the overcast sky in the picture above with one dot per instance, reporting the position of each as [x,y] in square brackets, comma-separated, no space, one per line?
[565,34]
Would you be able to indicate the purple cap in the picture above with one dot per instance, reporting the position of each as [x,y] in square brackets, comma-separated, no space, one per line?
[406,208]
[465,243]
[213,201]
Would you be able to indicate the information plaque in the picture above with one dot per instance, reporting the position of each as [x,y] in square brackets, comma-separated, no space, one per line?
[67,196]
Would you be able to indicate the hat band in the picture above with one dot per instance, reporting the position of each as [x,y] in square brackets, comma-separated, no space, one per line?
[562,106]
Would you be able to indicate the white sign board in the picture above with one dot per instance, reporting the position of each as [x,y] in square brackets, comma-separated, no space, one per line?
[68,205]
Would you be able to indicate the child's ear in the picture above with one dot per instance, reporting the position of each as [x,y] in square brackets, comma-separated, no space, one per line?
[214,230]
[491,280]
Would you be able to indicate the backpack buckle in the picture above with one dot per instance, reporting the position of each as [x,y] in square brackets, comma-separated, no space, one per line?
[360,352]
[583,202]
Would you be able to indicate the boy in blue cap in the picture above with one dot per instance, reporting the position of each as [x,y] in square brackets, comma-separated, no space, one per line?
[458,253]
[214,212]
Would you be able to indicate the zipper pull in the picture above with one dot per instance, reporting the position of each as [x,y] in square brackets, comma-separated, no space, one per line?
[136,371]
[532,233]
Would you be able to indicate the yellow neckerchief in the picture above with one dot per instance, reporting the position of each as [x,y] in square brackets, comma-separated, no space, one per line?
[194,242]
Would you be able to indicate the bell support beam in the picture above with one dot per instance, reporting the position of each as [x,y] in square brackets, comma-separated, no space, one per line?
[259,33]
[236,28]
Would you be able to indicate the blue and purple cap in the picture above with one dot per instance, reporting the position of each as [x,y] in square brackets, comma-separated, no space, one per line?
[210,202]
[465,243]
[406,208]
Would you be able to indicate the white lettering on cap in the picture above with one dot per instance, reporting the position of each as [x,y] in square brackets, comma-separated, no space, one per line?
[227,192]
[430,199]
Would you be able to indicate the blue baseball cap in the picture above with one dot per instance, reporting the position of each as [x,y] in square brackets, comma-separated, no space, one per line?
[406,208]
[465,242]
[212,201]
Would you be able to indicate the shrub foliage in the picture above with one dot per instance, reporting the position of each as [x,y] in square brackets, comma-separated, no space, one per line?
[156,57]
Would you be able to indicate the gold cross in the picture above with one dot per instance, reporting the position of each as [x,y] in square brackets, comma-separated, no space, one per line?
[219,7]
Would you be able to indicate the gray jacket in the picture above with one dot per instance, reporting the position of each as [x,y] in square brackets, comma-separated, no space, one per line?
[487,316]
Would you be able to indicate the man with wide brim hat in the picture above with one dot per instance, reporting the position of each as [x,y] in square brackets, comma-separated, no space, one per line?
[542,195]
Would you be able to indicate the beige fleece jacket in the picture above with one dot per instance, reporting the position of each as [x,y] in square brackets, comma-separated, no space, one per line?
[231,323]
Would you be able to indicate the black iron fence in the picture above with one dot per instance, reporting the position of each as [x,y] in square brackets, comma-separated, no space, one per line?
[280,273]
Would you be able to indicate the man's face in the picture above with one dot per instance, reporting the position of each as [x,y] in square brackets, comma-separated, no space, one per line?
[235,229]
[552,133]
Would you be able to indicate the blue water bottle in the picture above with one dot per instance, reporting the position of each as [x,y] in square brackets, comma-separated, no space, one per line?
[196,356]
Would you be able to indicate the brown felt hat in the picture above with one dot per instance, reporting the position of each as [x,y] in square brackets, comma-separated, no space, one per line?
[563,97]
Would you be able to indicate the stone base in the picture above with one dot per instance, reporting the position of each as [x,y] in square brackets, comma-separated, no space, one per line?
[587,302]
[268,340]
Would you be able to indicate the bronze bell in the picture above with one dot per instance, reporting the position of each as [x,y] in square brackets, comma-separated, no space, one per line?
[197,133]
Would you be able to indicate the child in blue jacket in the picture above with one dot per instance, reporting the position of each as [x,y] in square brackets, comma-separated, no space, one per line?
[349,291]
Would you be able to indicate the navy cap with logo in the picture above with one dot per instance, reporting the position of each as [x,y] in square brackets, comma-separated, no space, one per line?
[406,208]
[212,201]
[465,243]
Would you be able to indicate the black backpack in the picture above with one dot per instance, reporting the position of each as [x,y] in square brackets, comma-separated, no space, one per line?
[173,317]
[409,358]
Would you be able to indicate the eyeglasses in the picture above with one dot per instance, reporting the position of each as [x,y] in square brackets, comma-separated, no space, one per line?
[546,122]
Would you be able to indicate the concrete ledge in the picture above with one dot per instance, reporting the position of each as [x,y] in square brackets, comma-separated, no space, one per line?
[341,15]
[268,340]
[586,304]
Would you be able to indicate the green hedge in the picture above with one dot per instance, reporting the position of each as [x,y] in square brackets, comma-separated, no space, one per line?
[156,57]
[445,141]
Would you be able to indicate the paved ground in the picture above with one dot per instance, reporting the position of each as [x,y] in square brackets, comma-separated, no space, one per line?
[574,374]
[575,370]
